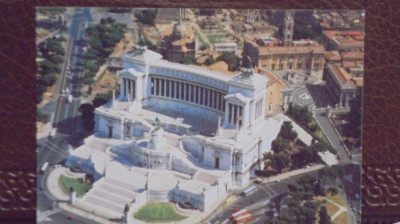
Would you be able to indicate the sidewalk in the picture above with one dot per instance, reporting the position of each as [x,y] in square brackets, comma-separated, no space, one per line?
[292,173]
[45,132]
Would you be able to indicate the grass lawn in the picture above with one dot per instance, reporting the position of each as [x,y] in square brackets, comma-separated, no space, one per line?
[216,38]
[158,212]
[337,199]
[331,208]
[341,219]
[66,183]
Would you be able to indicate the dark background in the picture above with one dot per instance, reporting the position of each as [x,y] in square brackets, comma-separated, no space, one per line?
[381,114]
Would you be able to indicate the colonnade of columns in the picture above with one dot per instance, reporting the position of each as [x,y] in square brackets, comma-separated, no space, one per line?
[129,87]
[258,109]
[235,113]
[188,92]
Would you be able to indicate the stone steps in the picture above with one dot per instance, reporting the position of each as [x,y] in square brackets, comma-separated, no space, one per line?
[108,198]
[331,134]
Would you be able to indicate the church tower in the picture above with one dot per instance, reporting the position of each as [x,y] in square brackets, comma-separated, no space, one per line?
[288,28]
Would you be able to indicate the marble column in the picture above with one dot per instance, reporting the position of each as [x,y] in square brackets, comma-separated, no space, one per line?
[159,87]
[170,88]
[179,90]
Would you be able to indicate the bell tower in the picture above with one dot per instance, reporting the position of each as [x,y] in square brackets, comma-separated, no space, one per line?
[288,28]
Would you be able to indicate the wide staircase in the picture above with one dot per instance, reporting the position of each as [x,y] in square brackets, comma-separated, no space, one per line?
[108,198]
[331,134]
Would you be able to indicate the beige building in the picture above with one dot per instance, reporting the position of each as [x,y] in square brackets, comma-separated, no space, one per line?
[308,59]
[274,99]
[342,86]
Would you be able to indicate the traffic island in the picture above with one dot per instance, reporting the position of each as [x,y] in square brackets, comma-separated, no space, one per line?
[158,212]
[78,184]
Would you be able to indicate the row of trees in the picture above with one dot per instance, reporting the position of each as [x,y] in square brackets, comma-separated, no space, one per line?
[101,38]
[52,52]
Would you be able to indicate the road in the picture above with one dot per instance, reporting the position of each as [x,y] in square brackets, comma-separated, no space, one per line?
[67,120]
[256,201]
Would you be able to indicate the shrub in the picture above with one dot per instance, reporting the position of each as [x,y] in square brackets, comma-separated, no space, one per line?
[88,81]
[48,79]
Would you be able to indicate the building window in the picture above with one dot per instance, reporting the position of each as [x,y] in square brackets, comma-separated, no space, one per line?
[273,66]
[201,95]
[290,66]
[173,89]
[152,86]
[187,92]
[158,87]
[316,65]
[162,87]
[281,66]
[299,65]
[191,93]
[167,87]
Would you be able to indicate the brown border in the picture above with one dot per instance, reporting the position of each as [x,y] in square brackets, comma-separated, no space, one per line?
[381,177]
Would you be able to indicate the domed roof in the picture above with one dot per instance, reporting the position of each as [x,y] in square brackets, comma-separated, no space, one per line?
[179,30]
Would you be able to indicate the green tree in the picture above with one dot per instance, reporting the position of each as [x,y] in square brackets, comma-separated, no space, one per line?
[280,144]
[323,216]
[146,42]
[88,81]
[231,59]
[209,61]
[54,46]
[280,161]
[146,16]
[40,89]
[47,67]
[188,59]
[91,67]
[92,54]
[47,79]
[287,131]
[56,59]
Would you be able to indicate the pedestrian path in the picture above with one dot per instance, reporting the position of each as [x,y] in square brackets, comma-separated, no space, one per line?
[52,183]
[332,135]
[341,208]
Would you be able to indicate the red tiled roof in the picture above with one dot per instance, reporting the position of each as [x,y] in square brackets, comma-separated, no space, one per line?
[343,76]
[333,56]
[352,55]
[316,49]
